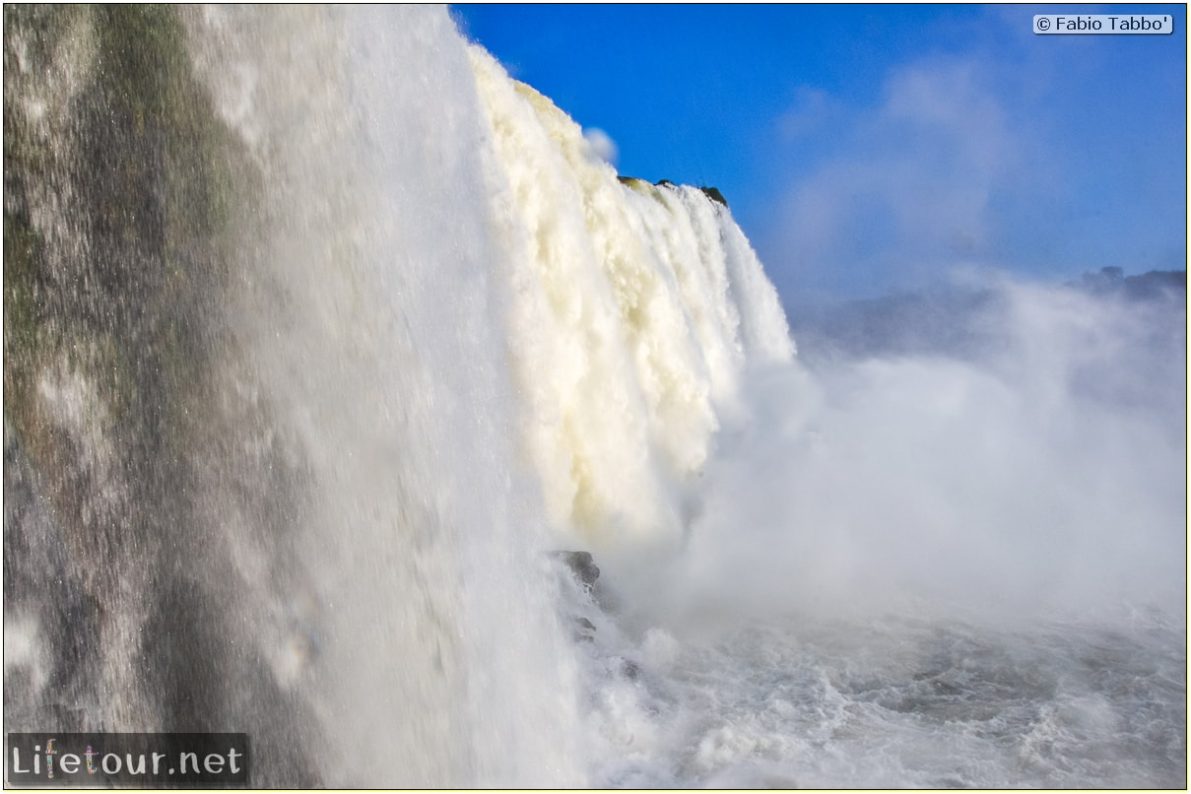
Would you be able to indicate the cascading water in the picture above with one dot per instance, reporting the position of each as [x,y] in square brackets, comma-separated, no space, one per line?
[265,438]
[635,311]
[321,332]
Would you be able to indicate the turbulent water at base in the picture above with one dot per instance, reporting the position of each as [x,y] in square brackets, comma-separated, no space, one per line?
[322,332]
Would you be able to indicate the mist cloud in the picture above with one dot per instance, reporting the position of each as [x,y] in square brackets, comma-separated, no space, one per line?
[1037,472]
[602,144]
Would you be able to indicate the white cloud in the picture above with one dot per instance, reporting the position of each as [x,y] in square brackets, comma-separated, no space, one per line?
[910,187]
[811,110]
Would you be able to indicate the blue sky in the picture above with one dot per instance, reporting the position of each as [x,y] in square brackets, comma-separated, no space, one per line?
[874,148]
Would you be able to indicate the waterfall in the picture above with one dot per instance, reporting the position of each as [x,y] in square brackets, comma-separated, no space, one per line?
[635,310]
[320,330]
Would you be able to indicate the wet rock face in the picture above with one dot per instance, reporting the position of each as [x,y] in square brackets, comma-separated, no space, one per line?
[714,194]
[126,447]
[584,630]
[582,565]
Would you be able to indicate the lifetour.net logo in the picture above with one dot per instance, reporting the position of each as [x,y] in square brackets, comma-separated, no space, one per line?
[127,759]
